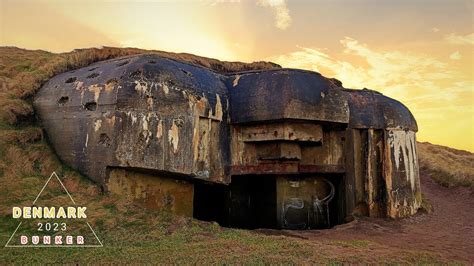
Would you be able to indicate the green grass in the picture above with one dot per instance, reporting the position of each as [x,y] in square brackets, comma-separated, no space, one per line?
[155,237]
[133,235]
[352,243]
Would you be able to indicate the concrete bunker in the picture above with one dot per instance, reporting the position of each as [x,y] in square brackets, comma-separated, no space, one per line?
[281,148]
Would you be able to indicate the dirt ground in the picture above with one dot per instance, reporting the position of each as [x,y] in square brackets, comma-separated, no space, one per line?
[448,231]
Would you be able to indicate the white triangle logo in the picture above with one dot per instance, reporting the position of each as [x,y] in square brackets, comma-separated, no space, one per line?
[8,244]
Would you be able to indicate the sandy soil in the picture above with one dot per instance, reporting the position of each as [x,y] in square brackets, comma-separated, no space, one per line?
[448,231]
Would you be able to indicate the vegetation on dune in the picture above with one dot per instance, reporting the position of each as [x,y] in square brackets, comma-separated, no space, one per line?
[131,234]
[447,166]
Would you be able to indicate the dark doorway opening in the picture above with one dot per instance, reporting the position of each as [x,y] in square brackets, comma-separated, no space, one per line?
[209,202]
[253,201]
[248,202]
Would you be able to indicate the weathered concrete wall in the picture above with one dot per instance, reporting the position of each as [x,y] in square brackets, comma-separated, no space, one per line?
[402,173]
[168,118]
[286,94]
[375,187]
[142,112]
[371,109]
[384,172]
[153,191]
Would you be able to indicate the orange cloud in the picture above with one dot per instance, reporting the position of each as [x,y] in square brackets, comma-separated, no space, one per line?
[438,93]
[454,38]
[281,12]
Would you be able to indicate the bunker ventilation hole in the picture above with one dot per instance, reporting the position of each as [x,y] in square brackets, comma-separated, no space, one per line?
[92,69]
[104,140]
[93,75]
[91,106]
[186,72]
[63,100]
[137,73]
[71,80]
[119,64]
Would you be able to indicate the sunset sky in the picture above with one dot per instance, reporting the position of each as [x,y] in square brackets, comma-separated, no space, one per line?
[420,52]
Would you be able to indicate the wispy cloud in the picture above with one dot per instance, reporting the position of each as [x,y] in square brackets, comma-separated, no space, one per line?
[435,90]
[384,70]
[280,10]
[455,56]
[454,38]
[216,2]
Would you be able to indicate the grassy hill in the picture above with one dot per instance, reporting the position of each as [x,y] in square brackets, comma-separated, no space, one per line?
[447,166]
[131,234]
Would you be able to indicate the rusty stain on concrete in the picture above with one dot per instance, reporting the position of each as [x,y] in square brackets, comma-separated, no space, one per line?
[147,134]
[173,136]
[165,87]
[218,109]
[236,80]
[261,142]
[149,102]
[79,85]
[96,90]
[404,142]
[97,125]
[110,85]
[159,129]
[110,120]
